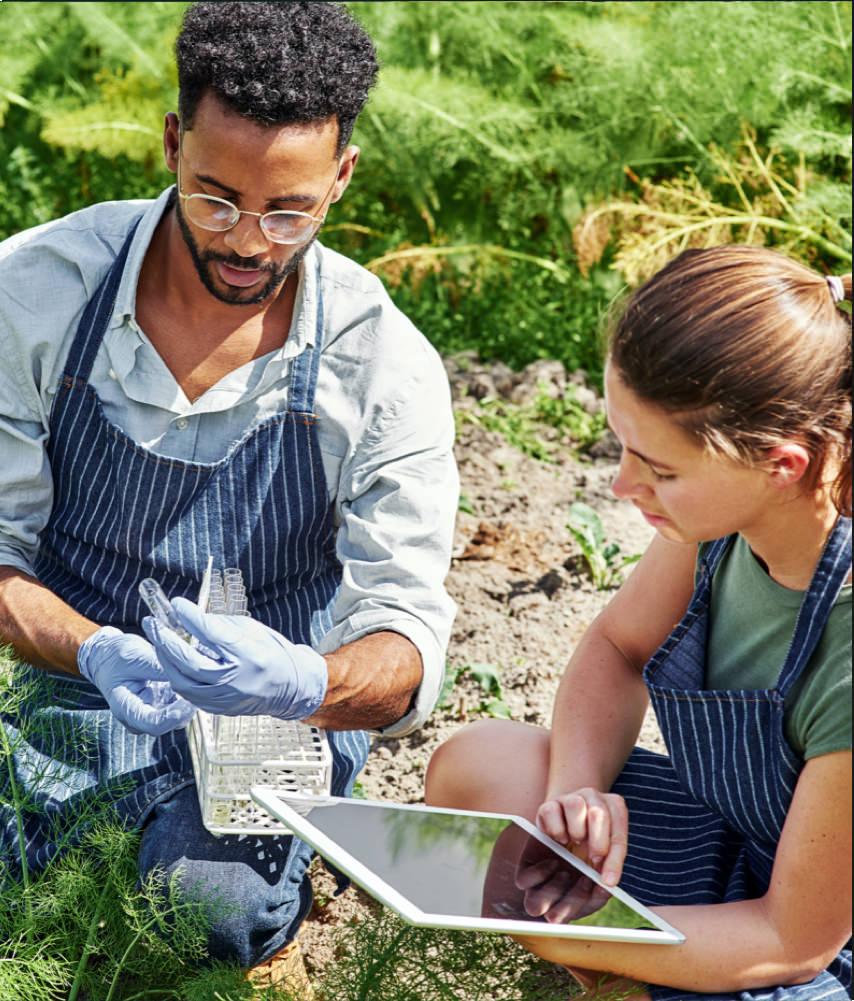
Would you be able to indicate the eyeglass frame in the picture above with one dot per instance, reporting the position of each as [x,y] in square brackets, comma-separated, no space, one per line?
[318,220]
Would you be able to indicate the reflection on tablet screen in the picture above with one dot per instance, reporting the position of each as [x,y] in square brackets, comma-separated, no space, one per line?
[471,865]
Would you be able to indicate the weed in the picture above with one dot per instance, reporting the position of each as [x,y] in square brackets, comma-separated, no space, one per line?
[776,203]
[569,418]
[83,928]
[487,677]
[385,959]
[511,422]
[603,558]
[465,504]
[540,428]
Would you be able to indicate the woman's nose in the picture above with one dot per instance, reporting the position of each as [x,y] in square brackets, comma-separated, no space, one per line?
[628,483]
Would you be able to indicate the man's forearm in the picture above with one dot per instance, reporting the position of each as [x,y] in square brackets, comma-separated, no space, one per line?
[41,628]
[372,682]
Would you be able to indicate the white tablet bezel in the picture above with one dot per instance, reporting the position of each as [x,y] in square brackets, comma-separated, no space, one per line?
[661,934]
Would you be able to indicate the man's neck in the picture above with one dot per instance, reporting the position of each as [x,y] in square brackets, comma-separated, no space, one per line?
[200,338]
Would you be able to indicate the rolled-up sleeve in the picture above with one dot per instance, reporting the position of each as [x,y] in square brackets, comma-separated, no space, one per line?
[397,503]
[26,485]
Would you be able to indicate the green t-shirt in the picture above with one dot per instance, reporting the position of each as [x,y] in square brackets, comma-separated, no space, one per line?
[751,626]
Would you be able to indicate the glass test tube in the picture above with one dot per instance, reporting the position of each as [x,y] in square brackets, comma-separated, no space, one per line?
[152,594]
[235,591]
[216,601]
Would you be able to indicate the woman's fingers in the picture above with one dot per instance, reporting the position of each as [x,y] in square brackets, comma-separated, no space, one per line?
[597,821]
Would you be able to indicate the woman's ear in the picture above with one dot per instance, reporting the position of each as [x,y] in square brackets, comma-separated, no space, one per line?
[786,464]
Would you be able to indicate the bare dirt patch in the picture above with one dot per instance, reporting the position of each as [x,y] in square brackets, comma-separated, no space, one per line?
[524,599]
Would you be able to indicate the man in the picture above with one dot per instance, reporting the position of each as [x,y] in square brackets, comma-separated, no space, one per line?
[197,376]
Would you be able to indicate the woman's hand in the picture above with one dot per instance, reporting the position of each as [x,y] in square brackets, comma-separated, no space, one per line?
[594,823]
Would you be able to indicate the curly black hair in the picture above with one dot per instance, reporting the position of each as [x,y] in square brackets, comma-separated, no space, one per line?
[276,63]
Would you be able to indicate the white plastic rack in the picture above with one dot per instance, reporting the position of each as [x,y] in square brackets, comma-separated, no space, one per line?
[232,753]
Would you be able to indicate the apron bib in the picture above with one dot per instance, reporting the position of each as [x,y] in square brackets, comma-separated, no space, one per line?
[704,824]
[122,513]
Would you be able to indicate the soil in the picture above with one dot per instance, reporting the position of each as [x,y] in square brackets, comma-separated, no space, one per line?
[523,592]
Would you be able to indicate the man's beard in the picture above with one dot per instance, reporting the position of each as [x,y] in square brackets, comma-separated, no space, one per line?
[204,261]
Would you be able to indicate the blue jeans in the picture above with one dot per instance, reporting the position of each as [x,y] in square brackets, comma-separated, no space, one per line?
[255,889]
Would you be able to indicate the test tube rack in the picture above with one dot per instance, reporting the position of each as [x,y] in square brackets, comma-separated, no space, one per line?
[230,754]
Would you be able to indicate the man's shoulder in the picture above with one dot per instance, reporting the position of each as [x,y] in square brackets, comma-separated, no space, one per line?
[356,304]
[59,265]
[96,228]
[339,271]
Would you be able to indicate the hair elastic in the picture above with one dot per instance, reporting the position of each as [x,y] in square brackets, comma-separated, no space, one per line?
[837,290]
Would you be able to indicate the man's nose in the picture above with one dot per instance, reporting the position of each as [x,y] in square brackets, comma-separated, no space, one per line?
[246,237]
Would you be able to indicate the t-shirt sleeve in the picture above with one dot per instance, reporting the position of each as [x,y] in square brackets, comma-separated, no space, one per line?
[821,716]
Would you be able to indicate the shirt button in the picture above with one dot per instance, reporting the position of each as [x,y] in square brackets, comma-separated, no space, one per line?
[182,424]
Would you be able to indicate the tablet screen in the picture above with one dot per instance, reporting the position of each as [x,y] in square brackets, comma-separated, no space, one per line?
[464,869]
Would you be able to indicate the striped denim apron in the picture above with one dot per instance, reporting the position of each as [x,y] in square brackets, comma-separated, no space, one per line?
[704,824]
[122,513]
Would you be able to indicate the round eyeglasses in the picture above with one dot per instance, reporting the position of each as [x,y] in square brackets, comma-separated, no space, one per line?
[219,215]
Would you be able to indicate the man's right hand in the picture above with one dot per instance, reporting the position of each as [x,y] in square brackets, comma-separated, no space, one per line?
[595,822]
[125,669]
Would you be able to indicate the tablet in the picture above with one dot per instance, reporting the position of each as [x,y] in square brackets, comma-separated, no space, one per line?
[458,869]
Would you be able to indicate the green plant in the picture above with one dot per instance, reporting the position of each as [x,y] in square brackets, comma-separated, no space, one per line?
[487,677]
[465,504]
[478,160]
[83,928]
[603,558]
[569,418]
[776,203]
[537,429]
[512,422]
[384,959]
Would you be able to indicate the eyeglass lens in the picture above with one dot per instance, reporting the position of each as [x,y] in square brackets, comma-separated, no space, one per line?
[219,215]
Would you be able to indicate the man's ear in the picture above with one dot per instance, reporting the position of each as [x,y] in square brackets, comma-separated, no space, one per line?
[786,464]
[345,172]
[171,141]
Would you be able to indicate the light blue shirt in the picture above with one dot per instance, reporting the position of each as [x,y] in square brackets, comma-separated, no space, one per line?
[384,417]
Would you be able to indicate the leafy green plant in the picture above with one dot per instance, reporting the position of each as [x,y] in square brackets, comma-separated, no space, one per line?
[569,418]
[487,677]
[512,422]
[465,504]
[478,160]
[603,558]
[537,429]
[83,928]
[776,204]
[385,959]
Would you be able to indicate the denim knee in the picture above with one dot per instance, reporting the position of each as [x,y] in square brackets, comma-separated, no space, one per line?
[252,891]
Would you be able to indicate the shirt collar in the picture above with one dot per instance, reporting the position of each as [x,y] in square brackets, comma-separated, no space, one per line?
[126,297]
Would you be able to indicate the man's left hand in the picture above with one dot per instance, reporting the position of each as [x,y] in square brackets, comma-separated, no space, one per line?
[241,667]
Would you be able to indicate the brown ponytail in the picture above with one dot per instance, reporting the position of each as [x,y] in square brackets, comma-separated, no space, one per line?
[747,348]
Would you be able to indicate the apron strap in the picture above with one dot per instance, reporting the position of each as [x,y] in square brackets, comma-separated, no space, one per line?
[93,322]
[307,364]
[824,588]
[714,554]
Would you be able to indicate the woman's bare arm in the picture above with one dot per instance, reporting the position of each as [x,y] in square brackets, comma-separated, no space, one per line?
[787,936]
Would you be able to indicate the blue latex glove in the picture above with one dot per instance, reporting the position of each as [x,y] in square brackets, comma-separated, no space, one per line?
[124,668]
[246,669]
